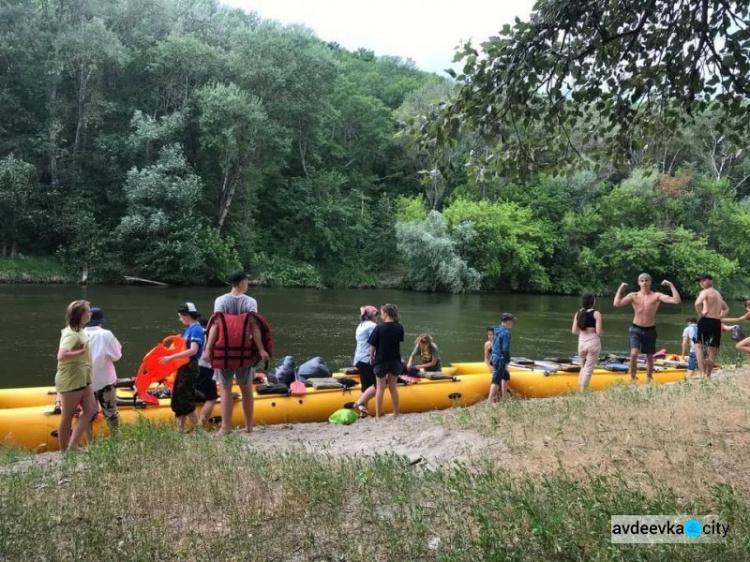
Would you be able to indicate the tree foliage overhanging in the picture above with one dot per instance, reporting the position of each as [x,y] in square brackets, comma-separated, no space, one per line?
[589,82]
[178,139]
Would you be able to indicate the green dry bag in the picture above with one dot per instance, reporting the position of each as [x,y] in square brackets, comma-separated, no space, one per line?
[343,416]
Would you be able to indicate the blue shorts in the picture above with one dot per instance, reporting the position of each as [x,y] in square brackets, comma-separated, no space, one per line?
[692,361]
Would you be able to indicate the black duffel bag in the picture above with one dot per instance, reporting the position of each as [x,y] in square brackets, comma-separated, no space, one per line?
[276,388]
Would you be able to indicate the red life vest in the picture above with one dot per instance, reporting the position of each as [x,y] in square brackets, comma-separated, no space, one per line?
[235,346]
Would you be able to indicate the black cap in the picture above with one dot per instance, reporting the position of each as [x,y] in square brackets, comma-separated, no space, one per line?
[237,276]
[704,276]
[97,317]
[187,308]
[506,316]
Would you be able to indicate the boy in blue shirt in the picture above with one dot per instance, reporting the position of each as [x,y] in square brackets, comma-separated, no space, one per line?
[183,392]
[500,358]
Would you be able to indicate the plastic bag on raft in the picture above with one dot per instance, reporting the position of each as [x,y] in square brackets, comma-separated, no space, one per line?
[315,368]
[283,373]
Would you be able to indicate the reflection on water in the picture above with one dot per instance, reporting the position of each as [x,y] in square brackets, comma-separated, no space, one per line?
[306,323]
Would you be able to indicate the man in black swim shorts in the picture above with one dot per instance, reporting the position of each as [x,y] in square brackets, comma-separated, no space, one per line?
[710,307]
[642,332]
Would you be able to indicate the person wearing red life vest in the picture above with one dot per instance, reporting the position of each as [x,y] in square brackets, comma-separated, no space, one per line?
[236,302]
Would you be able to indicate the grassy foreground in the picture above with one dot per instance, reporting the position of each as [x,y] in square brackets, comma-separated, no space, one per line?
[547,493]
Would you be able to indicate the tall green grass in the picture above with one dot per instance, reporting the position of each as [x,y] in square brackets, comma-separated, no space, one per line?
[154,494]
[565,467]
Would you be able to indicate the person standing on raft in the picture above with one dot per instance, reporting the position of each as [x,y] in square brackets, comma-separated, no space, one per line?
[642,331]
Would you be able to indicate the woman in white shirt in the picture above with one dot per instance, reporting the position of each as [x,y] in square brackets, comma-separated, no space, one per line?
[367,316]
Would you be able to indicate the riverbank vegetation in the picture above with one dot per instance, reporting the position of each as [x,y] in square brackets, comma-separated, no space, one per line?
[22,269]
[176,140]
[543,486]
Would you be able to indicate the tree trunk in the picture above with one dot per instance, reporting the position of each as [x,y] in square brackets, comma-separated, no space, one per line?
[227,194]
[81,124]
[302,152]
[52,132]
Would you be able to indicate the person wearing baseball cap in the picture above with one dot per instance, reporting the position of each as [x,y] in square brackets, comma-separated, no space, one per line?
[500,357]
[235,302]
[642,332]
[710,307]
[105,350]
[183,392]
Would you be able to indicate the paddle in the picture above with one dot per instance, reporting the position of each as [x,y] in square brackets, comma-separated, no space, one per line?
[297,388]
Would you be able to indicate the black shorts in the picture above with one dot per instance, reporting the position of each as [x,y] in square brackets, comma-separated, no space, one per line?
[205,383]
[183,392]
[709,331]
[643,338]
[395,368]
[366,375]
[500,374]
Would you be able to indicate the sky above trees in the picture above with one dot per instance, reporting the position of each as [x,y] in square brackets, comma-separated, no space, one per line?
[427,32]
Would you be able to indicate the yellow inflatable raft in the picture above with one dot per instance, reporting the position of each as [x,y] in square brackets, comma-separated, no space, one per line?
[532,382]
[46,395]
[35,427]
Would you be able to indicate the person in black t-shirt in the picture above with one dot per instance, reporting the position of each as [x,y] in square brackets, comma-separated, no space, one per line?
[385,356]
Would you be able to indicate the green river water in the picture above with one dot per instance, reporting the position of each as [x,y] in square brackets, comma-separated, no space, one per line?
[309,322]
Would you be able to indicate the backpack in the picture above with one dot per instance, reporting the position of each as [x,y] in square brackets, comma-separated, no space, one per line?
[315,368]
[234,345]
[343,416]
[284,372]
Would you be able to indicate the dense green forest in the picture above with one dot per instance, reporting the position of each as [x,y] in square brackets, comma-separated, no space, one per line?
[179,139]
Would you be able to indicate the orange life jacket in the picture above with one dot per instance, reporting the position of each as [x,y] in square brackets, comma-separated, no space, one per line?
[152,371]
[234,345]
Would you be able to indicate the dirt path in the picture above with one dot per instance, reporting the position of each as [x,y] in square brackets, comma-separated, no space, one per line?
[419,437]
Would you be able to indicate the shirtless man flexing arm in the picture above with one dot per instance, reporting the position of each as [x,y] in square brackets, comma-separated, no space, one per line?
[643,329]
[711,308]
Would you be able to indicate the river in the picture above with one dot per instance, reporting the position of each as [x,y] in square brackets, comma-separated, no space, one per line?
[308,322]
